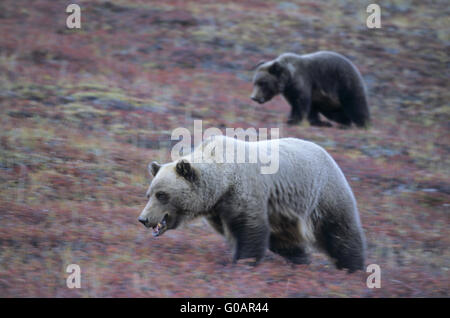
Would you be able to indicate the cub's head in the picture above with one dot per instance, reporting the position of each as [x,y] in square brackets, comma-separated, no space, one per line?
[172,196]
[269,80]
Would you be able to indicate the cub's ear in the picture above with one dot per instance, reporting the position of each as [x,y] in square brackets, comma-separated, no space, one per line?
[275,69]
[153,168]
[256,66]
[186,170]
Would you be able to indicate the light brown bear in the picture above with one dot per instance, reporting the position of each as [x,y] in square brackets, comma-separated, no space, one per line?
[306,203]
[323,82]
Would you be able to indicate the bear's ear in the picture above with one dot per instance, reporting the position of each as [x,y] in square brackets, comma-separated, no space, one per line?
[185,169]
[275,69]
[153,168]
[256,66]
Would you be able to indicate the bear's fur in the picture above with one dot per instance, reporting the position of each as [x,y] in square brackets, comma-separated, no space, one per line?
[308,202]
[322,82]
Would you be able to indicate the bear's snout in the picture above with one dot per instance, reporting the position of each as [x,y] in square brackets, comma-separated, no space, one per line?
[143,221]
[256,99]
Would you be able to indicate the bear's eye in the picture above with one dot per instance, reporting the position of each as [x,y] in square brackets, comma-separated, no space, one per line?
[162,197]
[264,85]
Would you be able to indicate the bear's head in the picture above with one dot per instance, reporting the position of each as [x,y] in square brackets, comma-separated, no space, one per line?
[269,80]
[172,196]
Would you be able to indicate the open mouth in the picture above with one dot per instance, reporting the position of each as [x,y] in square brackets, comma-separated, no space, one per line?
[161,227]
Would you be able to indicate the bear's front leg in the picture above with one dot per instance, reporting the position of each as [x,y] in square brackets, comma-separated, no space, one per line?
[300,104]
[216,222]
[296,114]
[249,234]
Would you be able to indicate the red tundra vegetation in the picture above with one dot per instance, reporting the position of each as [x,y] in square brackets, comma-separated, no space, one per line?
[84,111]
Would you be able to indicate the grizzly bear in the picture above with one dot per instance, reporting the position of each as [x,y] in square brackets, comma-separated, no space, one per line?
[306,203]
[323,82]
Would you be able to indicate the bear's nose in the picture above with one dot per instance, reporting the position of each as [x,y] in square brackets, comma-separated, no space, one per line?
[142,220]
[256,99]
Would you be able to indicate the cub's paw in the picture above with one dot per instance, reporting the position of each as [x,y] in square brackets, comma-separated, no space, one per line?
[321,124]
[293,121]
[341,126]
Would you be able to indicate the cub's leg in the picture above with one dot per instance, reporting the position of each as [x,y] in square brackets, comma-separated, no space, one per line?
[354,103]
[339,117]
[300,105]
[314,120]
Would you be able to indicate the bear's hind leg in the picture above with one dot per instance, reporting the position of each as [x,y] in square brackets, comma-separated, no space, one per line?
[343,241]
[339,117]
[295,253]
[314,119]
[355,107]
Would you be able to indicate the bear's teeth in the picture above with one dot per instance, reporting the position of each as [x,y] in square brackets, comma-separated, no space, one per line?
[157,228]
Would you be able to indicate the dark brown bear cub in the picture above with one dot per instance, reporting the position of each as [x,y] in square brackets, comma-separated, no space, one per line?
[322,82]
